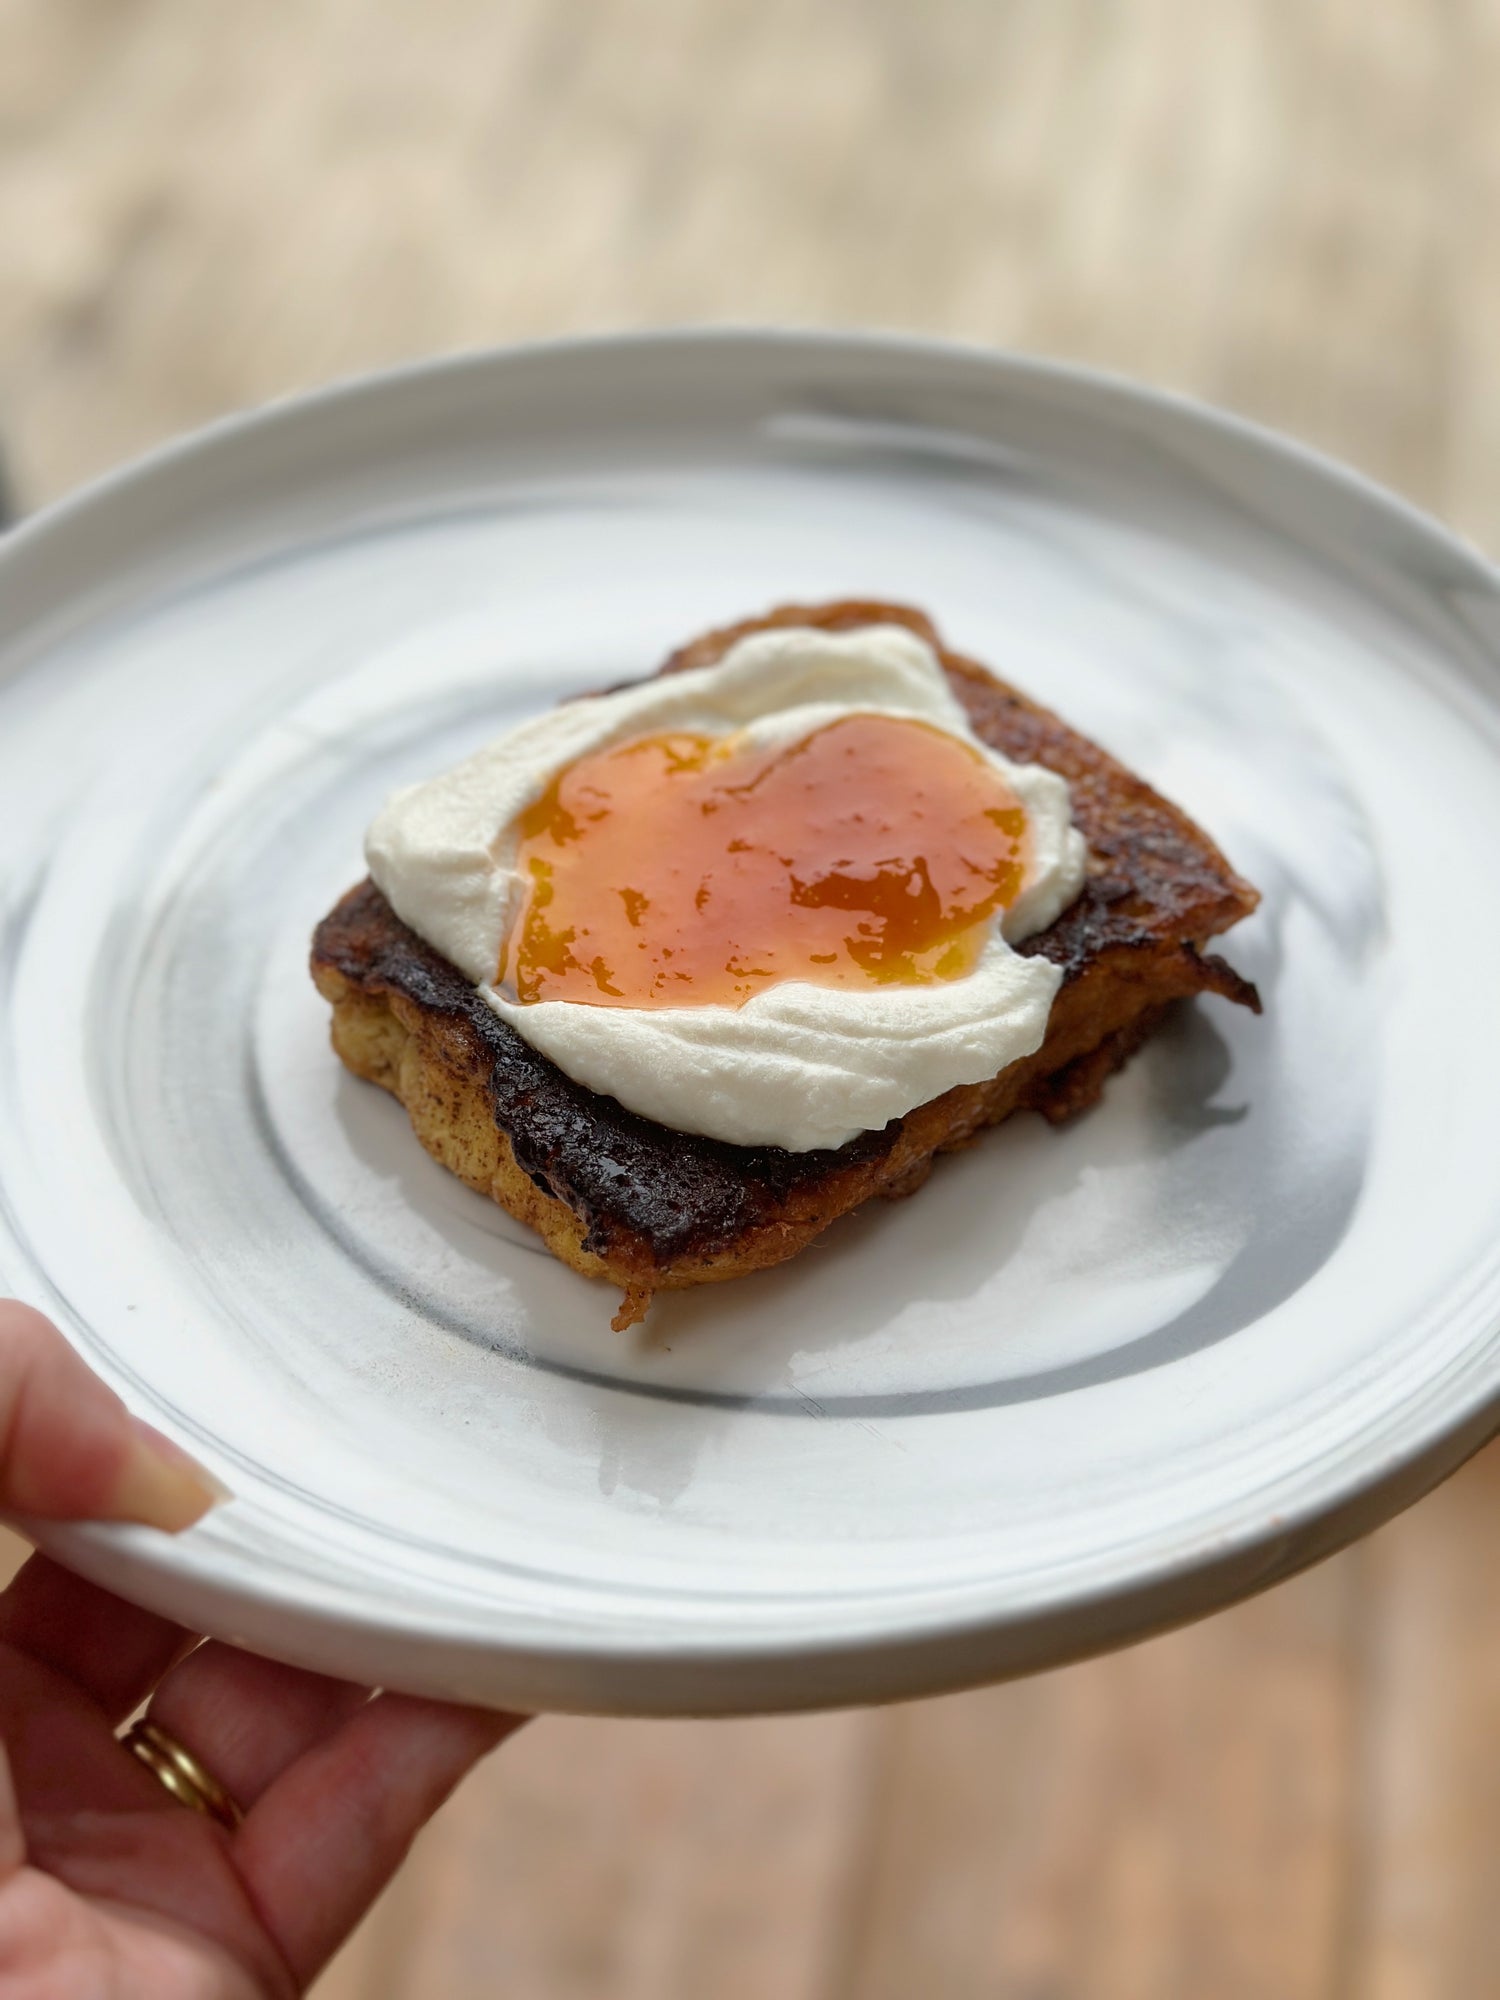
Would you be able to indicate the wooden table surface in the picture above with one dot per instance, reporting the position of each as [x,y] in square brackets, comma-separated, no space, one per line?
[1289,208]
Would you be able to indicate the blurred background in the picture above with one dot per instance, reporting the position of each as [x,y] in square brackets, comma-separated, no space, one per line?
[1285,206]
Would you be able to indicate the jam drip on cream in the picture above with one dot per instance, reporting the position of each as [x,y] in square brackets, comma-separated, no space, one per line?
[683,870]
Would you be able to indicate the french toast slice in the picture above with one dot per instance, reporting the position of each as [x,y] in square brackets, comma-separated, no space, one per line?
[651,1209]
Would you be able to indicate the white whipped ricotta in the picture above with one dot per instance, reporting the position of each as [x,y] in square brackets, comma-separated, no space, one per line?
[797,1065]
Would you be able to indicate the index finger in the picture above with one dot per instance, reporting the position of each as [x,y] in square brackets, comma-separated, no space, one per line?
[325,1838]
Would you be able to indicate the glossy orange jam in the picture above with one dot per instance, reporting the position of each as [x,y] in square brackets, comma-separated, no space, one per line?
[685,870]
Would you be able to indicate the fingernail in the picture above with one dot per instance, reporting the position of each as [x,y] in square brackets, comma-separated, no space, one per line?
[160,1486]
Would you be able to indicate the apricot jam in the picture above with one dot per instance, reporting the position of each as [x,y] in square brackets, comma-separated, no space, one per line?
[685,870]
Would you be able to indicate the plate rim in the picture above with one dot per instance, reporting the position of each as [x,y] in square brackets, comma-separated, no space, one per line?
[917,1655]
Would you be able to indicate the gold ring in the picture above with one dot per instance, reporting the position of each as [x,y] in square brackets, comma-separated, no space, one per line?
[184,1777]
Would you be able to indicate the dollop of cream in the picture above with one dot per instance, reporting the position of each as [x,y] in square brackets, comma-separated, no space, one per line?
[797,1065]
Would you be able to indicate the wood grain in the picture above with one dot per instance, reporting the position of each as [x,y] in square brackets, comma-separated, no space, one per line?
[1286,205]
[1428,1919]
[1170,1822]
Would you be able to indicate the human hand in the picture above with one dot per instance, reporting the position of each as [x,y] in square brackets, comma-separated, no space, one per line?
[107,1884]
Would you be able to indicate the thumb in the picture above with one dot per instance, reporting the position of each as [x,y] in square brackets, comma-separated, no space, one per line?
[69,1448]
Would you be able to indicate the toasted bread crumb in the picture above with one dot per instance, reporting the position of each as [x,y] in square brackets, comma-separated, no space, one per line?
[633,1307]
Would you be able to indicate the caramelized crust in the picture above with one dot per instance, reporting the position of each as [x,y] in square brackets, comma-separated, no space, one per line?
[651,1209]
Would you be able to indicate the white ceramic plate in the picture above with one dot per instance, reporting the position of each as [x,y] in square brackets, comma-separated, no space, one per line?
[1086,1383]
